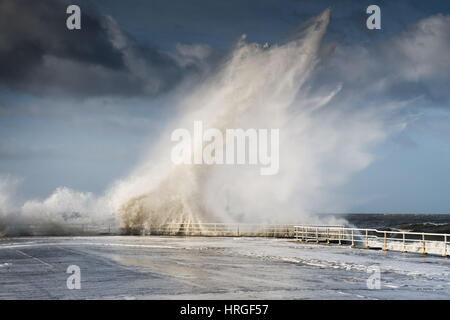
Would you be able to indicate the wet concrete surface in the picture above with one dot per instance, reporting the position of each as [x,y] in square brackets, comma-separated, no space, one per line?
[212,268]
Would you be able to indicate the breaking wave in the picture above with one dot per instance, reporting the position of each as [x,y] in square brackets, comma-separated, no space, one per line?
[258,86]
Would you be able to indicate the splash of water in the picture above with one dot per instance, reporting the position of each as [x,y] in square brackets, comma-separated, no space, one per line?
[321,143]
[257,87]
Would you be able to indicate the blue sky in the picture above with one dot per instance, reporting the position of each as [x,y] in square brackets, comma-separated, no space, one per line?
[91,124]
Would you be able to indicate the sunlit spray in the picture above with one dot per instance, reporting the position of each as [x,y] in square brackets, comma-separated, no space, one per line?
[257,87]
[321,142]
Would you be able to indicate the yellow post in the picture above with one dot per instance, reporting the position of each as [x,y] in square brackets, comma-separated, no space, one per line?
[385,242]
[424,252]
[367,240]
[404,244]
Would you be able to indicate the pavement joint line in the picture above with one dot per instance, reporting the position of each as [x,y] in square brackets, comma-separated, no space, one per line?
[102,259]
[35,258]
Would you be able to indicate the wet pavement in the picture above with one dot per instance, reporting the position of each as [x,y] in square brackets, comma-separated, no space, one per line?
[123,267]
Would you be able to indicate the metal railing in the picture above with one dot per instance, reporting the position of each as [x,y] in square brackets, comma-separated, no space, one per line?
[425,243]
[58,229]
[219,229]
[222,229]
[169,229]
[421,242]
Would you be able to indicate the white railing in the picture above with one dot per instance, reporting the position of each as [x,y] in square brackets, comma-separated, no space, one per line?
[425,243]
[172,229]
[58,229]
[219,229]
[222,229]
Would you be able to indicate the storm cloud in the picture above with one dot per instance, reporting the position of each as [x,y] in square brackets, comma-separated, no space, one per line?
[411,65]
[39,55]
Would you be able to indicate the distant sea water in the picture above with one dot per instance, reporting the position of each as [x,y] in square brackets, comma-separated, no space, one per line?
[437,223]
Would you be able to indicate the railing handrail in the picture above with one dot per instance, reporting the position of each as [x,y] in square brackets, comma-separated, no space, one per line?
[244,223]
[379,231]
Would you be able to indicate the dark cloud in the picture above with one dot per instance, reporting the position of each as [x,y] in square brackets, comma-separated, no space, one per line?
[38,54]
[32,29]
[409,65]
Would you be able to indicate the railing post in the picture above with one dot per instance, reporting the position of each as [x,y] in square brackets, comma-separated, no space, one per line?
[385,241]
[367,239]
[445,246]
[404,243]
[317,235]
[423,244]
[353,239]
[328,235]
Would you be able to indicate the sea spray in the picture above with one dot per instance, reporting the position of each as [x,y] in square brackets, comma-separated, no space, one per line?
[256,87]
[322,140]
